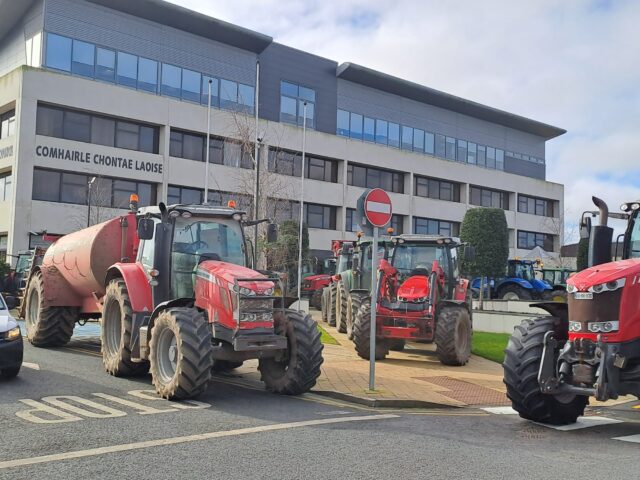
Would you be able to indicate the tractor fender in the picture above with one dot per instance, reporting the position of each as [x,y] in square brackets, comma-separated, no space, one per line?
[137,285]
[540,285]
[455,303]
[559,310]
[176,302]
[514,280]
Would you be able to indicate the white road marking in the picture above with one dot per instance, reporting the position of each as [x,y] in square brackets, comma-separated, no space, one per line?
[33,366]
[91,452]
[583,422]
[500,410]
[628,438]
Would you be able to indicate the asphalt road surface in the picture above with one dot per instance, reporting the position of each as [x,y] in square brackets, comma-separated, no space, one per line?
[65,418]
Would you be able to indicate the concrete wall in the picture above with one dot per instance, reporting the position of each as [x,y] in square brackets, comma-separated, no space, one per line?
[22,45]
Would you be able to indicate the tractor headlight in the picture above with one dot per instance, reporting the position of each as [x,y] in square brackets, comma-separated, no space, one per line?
[269,291]
[247,292]
[13,334]
[607,287]
[603,327]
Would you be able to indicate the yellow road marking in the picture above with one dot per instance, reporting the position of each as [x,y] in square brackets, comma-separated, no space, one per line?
[91,452]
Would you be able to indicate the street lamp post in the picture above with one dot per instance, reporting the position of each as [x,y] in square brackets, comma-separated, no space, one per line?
[304,145]
[207,146]
[89,184]
[256,154]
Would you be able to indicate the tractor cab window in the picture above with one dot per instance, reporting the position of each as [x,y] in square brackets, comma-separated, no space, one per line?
[521,270]
[417,259]
[196,239]
[634,241]
[344,263]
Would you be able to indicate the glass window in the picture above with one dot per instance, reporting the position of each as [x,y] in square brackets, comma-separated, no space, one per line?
[356,126]
[440,146]
[191,85]
[499,159]
[49,121]
[127,135]
[148,139]
[193,147]
[127,69]
[350,224]
[175,144]
[451,148]
[288,109]
[171,80]
[46,185]
[228,94]
[58,52]
[7,124]
[122,190]
[292,107]
[310,113]
[103,131]
[482,155]
[102,192]
[216,154]
[77,126]
[485,197]
[343,123]
[471,153]
[246,96]
[289,89]
[74,188]
[320,216]
[428,143]
[394,135]
[382,135]
[215,85]
[83,58]
[147,75]
[106,65]
[369,129]
[307,94]
[397,223]
[491,157]
[418,140]
[232,154]
[407,138]
[462,151]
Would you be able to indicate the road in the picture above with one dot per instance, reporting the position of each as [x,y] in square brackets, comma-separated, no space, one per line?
[117,428]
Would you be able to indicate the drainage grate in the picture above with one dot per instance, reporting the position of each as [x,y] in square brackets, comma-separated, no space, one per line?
[468,392]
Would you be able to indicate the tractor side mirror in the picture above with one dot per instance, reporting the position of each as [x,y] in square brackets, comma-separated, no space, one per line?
[272,233]
[585,227]
[146,227]
[469,253]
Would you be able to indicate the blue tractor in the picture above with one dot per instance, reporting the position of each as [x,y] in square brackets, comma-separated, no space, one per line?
[520,283]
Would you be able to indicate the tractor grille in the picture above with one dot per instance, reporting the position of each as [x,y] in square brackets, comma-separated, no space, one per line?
[604,307]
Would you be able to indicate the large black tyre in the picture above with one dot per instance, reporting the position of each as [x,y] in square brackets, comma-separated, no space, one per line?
[46,326]
[453,335]
[521,364]
[331,306]
[362,335]
[8,373]
[115,334]
[324,305]
[342,297]
[180,353]
[513,292]
[225,365]
[298,371]
[353,307]
[559,295]
[316,299]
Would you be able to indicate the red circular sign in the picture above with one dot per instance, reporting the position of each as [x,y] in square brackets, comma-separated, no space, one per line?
[377,207]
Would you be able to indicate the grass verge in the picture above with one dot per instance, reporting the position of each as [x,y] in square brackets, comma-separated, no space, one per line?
[490,345]
[326,338]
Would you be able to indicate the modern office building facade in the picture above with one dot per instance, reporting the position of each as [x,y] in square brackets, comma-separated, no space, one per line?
[103,98]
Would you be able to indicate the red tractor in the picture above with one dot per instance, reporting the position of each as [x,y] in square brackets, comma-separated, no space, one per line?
[175,297]
[343,251]
[590,346]
[313,285]
[421,297]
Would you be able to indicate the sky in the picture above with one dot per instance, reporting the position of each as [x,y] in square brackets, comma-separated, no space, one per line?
[574,64]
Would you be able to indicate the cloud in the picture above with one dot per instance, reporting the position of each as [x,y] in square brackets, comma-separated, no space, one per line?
[572,63]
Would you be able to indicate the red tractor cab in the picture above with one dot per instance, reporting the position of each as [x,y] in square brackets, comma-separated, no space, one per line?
[421,297]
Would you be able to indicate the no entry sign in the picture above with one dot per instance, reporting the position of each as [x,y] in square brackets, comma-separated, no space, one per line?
[377,207]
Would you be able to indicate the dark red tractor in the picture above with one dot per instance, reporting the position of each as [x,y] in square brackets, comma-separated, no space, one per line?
[421,297]
[590,346]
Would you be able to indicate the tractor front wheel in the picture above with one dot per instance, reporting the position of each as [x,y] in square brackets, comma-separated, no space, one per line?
[341,307]
[180,353]
[298,369]
[453,335]
[521,365]
[362,335]
[117,323]
[331,306]
[324,304]
[46,326]
[353,307]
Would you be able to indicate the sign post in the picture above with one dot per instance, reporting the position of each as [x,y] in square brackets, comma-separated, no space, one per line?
[377,211]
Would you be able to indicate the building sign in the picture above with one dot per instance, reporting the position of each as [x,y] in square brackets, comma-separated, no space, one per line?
[98,159]
[6,152]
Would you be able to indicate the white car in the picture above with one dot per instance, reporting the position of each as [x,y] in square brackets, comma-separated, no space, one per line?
[11,347]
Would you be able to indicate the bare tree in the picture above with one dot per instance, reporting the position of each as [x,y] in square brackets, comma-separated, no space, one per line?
[99,206]
[565,234]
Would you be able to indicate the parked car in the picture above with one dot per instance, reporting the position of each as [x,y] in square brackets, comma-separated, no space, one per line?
[10,342]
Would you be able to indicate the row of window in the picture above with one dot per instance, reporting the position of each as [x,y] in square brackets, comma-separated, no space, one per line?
[437,189]
[293,98]
[432,226]
[92,61]
[286,162]
[536,206]
[98,129]
[5,186]
[221,151]
[383,132]
[485,197]
[64,187]
[7,124]
[195,196]
[352,225]
[529,240]
[369,177]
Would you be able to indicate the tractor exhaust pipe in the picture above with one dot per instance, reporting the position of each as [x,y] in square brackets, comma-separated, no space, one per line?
[604,210]
[601,237]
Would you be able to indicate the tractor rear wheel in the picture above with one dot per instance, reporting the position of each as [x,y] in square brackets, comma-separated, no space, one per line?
[324,305]
[180,353]
[342,297]
[353,307]
[117,323]
[316,299]
[559,295]
[453,335]
[8,373]
[521,365]
[47,326]
[362,335]
[331,306]
[299,368]
[514,292]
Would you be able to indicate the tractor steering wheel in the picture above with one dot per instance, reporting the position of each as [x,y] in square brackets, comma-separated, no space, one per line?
[197,245]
